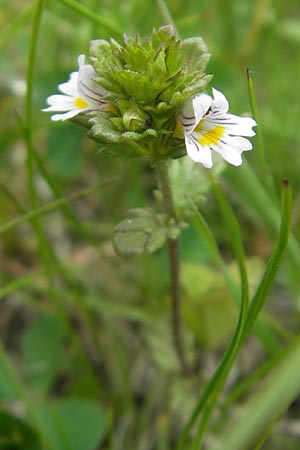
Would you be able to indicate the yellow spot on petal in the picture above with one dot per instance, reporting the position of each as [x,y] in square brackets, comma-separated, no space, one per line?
[178,132]
[108,107]
[210,137]
[80,103]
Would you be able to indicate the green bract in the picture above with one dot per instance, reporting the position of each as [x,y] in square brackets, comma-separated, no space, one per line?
[147,82]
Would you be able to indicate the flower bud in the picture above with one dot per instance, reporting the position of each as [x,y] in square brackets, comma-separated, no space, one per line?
[135,119]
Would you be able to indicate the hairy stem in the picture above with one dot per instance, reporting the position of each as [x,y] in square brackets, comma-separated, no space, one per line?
[174,264]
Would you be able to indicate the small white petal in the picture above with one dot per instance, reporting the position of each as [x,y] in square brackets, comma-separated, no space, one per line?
[60,103]
[88,89]
[197,152]
[81,60]
[238,142]
[229,153]
[231,147]
[220,101]
[201,104]
[65,116]
[235,125]
[187,118]
[239,125]
[70,87]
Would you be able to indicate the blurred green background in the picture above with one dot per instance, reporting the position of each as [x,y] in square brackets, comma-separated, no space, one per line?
[86,346]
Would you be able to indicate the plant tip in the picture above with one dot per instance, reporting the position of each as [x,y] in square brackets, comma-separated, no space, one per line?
[285,183]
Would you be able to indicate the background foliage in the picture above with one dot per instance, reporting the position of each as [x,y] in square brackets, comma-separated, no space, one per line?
[86,360]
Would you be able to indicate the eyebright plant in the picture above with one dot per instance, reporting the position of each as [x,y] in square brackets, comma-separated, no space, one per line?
[144,97]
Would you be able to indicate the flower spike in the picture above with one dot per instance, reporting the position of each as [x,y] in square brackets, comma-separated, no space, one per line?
[208,126]
[80,94]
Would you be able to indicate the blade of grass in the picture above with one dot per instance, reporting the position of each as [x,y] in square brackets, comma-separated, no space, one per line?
[269,402]
[73,290]
[19,284]
[253,378]
[166,15]
[72,287]
[274,262]
[86,12]
[211,392]
[51,183]
[207,235]
[51,206]
[12,25]
[234,346]
[215,385]
[261,8]
[265,174]
[78,226]
[258,200]
[43,246]
[258,300]
[264,326]
[28,126]
[67,211]
[235,235]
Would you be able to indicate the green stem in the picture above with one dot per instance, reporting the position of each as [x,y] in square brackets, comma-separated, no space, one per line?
[173,250]
[174,263]
[28,216]
[264,173]
[214,388]
[28,125]
[28,135]
[96,18]
[165,12]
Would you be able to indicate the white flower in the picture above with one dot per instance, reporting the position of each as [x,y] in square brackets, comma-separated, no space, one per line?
[81,93]
[207,126]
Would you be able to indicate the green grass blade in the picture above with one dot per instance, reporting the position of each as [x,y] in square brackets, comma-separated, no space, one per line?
[51,206]
[19,284]
[166,15]
[210,395]
[234,346]
[28,134]
[96,18]
[270,401]
[274,262]
[206,234]
[265,174]
[235,236]
[247,383]
[263,327]
[52,185]
[247,319]
[12,26]
[253,193]
[254,309]
[28,126]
